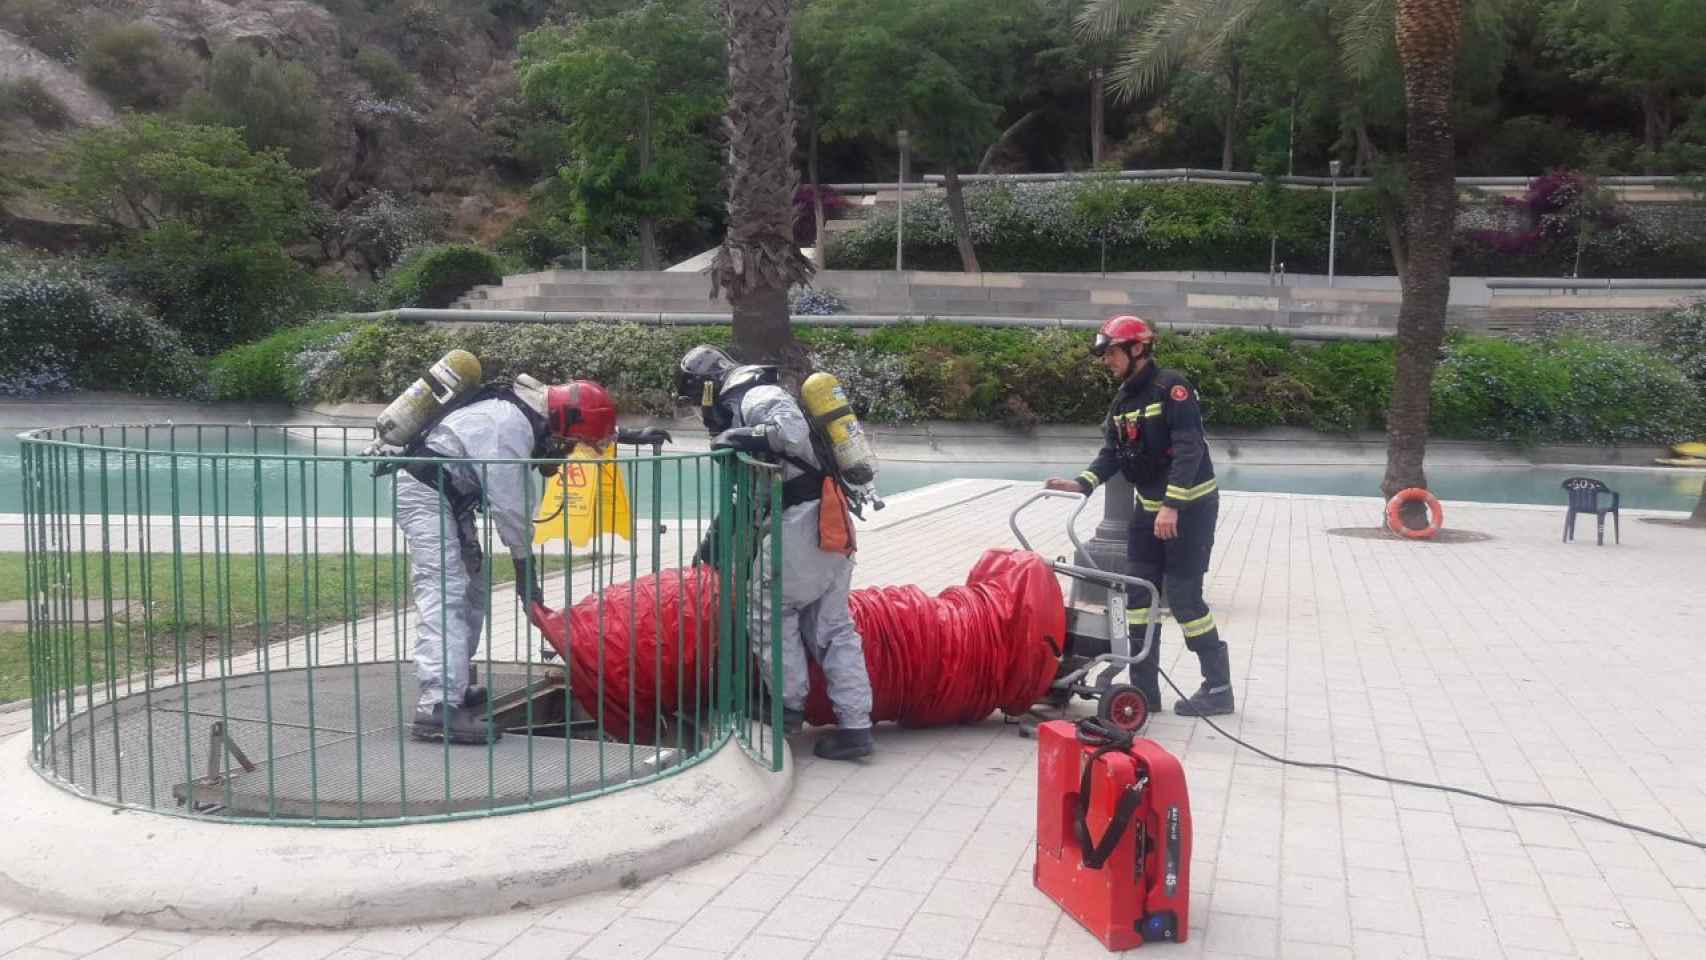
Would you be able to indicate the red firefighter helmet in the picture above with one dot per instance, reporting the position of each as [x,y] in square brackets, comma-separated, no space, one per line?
[581,410]
[1123,329]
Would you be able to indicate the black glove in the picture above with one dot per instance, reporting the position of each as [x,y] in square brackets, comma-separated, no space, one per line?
[646,437]
[527,584]
[468,538]
[707,552]
[746,439]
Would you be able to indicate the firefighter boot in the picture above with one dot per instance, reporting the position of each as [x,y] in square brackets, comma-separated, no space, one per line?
[844,744]
[793,721]
[463,726]
[474,695]
[1214,697]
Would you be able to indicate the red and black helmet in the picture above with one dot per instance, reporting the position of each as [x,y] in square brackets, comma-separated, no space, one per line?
[581,410]
[1123,329]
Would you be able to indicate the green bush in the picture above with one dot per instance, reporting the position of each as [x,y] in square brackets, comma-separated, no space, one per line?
[272,370]
[136,66]
[388,78]
[1059,228]
[60,330]
[217,295]
[1620,392]
[1682,339]
[435,276]
[377,360]
[1559,391]
[51,26]
[1496,390]
[27,97]
[275,104]
[205,224]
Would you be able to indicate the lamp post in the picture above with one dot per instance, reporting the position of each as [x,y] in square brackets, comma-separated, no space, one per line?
[900,202]
[1333,222]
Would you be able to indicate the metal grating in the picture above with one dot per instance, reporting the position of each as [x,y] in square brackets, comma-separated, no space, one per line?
[351,757]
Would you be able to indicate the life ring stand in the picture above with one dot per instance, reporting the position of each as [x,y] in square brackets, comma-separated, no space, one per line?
[1394,507]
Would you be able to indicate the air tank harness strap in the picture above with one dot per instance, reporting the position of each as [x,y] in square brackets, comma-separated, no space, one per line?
[806,487]
[1107,739]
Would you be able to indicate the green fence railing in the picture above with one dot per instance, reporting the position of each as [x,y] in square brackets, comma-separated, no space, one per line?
[223,623]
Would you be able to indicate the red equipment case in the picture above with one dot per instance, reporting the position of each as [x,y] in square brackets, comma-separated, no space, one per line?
[1114,836]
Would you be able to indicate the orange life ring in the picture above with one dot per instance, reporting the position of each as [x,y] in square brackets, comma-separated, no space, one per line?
[1395,522]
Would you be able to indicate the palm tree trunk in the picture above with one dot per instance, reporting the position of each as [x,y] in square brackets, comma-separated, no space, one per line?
[1391,213]
[1652,101]
[648,226]
[817,197]
[758,260]
[1235,74]
[1428,35]
[1098,97]
[957,215]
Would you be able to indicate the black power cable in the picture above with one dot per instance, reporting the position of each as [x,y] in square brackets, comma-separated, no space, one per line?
[1527,804]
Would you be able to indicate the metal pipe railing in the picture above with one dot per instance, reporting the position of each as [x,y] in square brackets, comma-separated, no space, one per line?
[1188,174]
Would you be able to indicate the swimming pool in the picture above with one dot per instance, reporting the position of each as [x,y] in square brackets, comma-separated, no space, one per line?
[281,486]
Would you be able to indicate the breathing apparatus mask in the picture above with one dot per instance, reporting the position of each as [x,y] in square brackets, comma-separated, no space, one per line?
[710,381]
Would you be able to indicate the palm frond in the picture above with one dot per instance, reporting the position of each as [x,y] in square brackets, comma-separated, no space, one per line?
[1105,19]
[1369,33]
[1233,27]
[1171,33]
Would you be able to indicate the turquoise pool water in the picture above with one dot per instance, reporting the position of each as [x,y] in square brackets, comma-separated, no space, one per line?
[284,486]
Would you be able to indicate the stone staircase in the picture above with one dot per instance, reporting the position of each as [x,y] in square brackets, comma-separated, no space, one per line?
[1354,306]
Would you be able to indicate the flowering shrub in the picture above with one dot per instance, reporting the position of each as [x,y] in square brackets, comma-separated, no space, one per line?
[1558,390]
[383,225]
[1059,227]
[805,215]
[810,301]
[1682,339]
[60,330]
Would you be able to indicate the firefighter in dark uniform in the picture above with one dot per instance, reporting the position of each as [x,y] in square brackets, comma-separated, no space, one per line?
[1154,436]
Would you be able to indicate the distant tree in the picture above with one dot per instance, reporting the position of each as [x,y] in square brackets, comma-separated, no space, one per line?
[275,104]
[1647,51]
[635,96]
[941,70]
[136,66]
[202,221]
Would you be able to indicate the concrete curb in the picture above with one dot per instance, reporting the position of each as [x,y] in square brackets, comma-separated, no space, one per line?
[62,854]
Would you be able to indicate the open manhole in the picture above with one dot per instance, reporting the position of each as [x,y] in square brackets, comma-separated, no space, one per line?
[333,743]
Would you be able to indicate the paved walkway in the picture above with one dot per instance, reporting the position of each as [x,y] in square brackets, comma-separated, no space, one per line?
[1517,665]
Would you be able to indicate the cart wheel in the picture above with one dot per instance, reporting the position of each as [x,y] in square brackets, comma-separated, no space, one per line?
[1124,707]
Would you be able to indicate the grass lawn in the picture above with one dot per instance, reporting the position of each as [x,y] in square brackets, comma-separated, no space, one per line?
[300,594]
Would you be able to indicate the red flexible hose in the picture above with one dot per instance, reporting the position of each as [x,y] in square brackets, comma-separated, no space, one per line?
[991,644]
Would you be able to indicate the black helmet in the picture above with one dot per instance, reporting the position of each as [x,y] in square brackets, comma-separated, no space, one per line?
[699,376]
[710,379]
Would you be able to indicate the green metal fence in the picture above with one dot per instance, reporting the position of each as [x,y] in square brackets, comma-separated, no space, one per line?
[222,624]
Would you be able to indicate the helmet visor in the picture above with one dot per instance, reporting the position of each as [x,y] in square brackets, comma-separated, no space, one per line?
[1101,345]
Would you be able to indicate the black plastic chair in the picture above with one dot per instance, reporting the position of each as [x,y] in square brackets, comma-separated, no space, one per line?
[1585,494]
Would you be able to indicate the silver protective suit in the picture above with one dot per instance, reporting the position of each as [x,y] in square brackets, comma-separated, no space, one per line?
[816,621]
[451,589]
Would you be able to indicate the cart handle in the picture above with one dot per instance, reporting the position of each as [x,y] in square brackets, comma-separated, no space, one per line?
[1071,522]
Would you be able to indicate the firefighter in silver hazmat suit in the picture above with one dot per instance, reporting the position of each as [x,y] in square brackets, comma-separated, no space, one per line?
[745,410]
[436,501]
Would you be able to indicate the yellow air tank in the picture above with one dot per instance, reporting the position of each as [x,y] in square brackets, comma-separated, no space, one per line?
[454,375]
[827,406]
